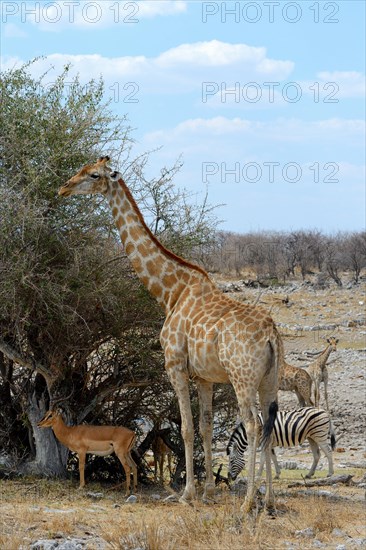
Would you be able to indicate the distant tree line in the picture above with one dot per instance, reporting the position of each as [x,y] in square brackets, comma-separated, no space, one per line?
[283,255]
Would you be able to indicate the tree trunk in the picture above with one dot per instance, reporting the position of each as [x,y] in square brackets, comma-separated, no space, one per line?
[51,456]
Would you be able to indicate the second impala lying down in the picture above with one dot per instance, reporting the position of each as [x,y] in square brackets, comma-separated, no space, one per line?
[96,440]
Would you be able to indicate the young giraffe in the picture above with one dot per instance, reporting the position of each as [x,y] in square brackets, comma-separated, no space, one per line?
[319,372]
[206,336]
[297,380]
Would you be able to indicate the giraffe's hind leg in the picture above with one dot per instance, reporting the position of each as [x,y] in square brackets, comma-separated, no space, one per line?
[205,390]
[250,416]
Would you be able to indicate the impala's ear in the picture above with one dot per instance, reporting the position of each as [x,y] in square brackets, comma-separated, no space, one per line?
[103,160]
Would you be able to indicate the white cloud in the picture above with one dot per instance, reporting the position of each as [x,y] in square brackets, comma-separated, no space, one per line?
[58,15]
[228,150]
[330,87]
[186,67]
[215,53]
[280,130]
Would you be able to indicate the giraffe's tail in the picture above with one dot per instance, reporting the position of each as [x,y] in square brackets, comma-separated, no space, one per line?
[268,425]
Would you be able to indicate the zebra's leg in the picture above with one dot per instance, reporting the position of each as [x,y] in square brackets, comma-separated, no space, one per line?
[316,454]
[276,465]
[328,453]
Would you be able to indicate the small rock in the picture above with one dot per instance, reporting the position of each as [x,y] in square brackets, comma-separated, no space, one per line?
[341,547]
[155,497]
[337,532]
[44,545]
[132,499]
[308,532]
[95,496]
[49,544]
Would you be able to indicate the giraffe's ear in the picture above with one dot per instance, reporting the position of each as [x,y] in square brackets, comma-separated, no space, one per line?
[103,160]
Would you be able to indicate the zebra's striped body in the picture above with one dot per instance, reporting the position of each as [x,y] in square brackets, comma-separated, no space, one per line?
[291,428]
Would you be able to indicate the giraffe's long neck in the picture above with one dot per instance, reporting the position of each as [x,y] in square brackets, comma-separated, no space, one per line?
[324,356]
[163,273]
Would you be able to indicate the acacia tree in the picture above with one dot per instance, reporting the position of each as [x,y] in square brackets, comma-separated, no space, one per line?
[355,253]
[74,319]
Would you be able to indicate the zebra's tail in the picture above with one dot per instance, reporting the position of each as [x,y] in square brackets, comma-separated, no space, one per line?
[268,425]
[332,435]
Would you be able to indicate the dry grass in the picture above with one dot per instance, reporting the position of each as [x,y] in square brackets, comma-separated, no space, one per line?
[31,510]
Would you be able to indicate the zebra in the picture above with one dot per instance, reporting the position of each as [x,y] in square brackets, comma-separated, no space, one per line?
[291,428]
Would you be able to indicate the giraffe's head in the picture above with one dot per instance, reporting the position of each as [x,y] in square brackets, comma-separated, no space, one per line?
[93,178]
[332,341]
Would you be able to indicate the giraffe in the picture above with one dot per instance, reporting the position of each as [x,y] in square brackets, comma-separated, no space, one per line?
[206,336]
[297,380]
[319,372]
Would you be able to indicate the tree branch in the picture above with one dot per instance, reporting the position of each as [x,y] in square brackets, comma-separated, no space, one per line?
[102,394]
[29,363]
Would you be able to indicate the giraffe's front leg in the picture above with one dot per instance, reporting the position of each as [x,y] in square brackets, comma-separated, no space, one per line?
[179,380]
[205,390]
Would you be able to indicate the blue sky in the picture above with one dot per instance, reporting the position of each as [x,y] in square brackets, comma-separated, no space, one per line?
[264,100]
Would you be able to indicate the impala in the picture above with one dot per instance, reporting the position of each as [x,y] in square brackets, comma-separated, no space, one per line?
[96,440]
[161,450]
